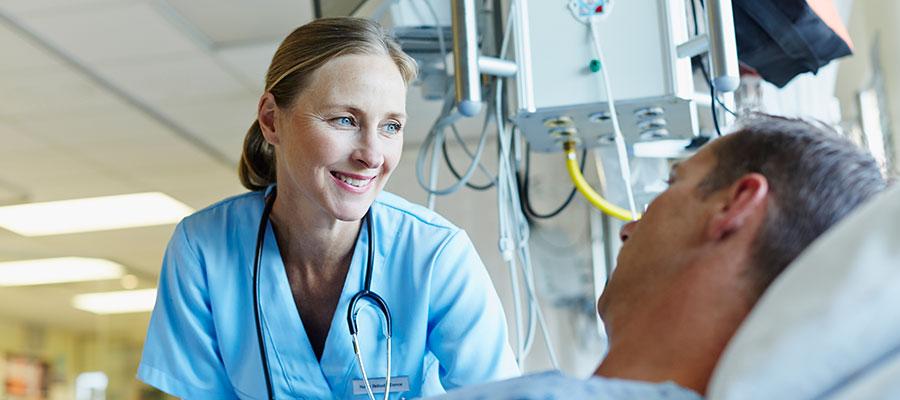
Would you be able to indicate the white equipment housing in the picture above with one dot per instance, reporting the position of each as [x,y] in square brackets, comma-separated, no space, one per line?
[653,88]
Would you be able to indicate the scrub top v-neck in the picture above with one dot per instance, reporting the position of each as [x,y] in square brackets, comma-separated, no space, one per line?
[449,327]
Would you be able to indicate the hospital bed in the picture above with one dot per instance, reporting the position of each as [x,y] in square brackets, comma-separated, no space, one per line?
[829,326]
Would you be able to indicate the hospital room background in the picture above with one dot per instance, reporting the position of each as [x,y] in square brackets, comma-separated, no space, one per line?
[132,113]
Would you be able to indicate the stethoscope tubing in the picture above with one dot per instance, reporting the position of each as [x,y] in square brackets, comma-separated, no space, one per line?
[365,294]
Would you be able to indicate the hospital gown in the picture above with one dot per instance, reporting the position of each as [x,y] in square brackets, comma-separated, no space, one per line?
[554,385]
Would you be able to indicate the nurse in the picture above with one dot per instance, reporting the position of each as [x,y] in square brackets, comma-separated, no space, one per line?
[328,134]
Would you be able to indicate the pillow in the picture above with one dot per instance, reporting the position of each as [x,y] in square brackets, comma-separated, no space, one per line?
[830,321]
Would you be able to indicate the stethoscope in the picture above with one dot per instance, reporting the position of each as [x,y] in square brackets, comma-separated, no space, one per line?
[365,294]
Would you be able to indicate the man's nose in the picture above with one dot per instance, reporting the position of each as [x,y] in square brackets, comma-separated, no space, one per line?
[626,230]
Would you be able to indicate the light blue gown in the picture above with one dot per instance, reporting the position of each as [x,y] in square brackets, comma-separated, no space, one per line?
[554,385]
[449,328]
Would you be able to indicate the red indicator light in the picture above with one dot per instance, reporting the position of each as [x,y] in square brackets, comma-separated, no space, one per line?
[599,9]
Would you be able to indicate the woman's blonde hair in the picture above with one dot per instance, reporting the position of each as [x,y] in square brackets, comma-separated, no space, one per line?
[301,53]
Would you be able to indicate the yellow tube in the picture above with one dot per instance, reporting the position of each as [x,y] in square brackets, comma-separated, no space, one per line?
[585,188]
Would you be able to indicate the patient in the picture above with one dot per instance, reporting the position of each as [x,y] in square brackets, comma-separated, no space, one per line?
[734,216]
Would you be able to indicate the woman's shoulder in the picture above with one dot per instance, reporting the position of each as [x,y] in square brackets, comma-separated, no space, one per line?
[398,209]
[231,210]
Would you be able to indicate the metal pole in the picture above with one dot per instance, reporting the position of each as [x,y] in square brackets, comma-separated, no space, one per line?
[722,45]
[465,58]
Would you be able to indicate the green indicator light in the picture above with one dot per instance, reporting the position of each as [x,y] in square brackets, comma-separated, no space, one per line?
[594,65]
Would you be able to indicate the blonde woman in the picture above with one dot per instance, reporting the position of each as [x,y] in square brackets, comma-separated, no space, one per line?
[316,284]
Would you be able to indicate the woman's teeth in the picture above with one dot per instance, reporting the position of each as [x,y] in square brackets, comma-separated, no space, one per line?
[352,182]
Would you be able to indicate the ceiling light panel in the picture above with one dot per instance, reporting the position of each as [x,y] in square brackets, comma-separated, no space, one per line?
[119,302]
[93,214]
[57,270]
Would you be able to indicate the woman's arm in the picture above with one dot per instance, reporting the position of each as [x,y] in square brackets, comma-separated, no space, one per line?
[467,327]
[181,353]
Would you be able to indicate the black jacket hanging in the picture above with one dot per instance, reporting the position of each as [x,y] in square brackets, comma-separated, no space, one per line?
[781,39]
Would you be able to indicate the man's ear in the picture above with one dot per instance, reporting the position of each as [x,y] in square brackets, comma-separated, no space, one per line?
[744,199]
[266,114]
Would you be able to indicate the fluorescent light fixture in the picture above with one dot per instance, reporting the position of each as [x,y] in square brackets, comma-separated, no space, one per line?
[93,214]
[58,270]
[119,302]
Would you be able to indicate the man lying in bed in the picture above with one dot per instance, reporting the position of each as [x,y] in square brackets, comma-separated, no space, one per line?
[734,216]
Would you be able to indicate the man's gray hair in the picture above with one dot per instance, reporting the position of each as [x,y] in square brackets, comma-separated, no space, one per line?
[815,179]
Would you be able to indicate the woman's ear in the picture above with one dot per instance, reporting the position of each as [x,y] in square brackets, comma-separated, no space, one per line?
[266,114]
[743,200]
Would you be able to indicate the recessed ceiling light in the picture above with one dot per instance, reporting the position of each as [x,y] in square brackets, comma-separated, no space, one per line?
[93,214]
[57,270]
[119,302]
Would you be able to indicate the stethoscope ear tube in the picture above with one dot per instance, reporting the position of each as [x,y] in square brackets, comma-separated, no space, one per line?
[373,298]
[352,311]
[260,239]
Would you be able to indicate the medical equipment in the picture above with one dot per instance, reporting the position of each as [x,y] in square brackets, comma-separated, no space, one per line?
[564,104]
[653,86]
[365,294]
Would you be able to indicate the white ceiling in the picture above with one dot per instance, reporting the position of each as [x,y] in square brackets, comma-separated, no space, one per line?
[119,96]
[101,97]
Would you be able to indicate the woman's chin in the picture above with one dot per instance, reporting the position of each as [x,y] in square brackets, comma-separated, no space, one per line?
[350,213]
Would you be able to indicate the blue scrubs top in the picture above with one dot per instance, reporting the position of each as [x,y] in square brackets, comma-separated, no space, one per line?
[449,328]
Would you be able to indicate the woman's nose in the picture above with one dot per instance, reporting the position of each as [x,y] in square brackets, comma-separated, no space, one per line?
[626,230]
[368,152]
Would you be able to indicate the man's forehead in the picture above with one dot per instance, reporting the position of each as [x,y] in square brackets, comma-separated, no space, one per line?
[706,152]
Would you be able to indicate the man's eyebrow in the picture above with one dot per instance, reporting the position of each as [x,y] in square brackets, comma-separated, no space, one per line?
[674,168]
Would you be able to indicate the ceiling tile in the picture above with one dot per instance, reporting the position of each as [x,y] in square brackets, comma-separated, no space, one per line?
[17,140]
[251,62]
[222,122]
[37,7]
[227,22]
[119,125]
[20,54]
[172,77]
[117,31]
[49,92]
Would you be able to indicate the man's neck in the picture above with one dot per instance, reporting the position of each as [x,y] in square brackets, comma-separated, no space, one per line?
[675,340]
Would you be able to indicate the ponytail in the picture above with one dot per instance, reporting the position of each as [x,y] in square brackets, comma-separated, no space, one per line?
[257,169]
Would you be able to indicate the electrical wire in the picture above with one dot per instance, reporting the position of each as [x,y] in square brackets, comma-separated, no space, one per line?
[437,133]
[714,98]
[492,179]
[525,184]
[715,113]
[435,138]
[456,174]
[624,166]
[514,218]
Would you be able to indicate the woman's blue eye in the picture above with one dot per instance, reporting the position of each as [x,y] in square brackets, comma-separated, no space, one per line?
[392,128]
[345,121]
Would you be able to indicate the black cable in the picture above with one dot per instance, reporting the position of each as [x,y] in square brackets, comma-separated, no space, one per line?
[713,98]
[257,259]
[457,174]
[712,106]
[524,184]
[716,98]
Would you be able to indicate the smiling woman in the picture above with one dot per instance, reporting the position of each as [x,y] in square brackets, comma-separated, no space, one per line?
[257,290]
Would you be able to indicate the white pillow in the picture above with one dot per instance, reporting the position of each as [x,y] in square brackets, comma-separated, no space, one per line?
[829,322]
